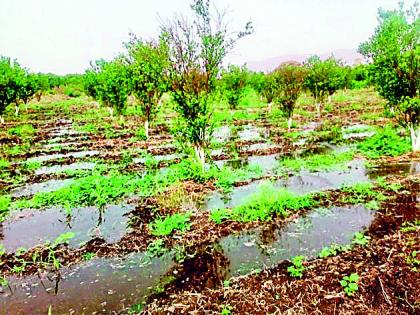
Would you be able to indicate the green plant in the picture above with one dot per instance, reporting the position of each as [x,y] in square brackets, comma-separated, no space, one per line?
[332,250]
[2,250]
[386,142]
[88,256]
[297,268]
[233,83]
[360,239]
[196,52]
[262,205]
[163,227]
[220,215]
[22,131]
[3,281]
[289,80]
[410,226]
[412,260]
[318,162]
[349,283]
[226,310]
[324,78]
[394,50]
[148,66]
[156,248]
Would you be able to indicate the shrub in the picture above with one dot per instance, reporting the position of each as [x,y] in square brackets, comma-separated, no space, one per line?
[386,142]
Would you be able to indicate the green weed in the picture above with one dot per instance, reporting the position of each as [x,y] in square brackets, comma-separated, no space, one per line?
[318,162]
[297,268]
[385,142]
[349,283]
[175,222]
[360,239]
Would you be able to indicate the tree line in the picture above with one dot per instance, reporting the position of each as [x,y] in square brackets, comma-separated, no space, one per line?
[186,62]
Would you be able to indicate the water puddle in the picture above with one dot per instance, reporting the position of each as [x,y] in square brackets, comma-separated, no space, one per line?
[267,163]
[49,157]
[269,245]
[47,186]
[222,134]
[259,146]
[99,286]
[301,183]
[29,228]
[158,158]
[402,168]
[63,168]
[252,133]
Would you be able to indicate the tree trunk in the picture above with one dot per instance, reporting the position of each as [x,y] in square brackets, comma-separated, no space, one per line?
[146,128]
[199,152]
[16,110]
[270,105]
[111,111]
[329,99]
[26,106]
[415,138]
[289,123]
[318,106]
[1,119]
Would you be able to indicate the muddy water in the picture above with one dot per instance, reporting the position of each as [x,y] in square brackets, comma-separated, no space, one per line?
[63,168]
[100,286]
[250,133]
[29,228]
[49,157]
[268,245]
[47,186]
[110,284]
[303,182]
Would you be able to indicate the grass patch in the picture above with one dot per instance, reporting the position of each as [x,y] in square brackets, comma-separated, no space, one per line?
[166,226]
[263,205]
[386,142]
[318,162]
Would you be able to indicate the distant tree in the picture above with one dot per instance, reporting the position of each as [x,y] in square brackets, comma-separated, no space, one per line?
[269,87]
[360,76]
[113,85]
[234,82]
[10,83]
[28,88]
[324,78]
[256,81]
[148,68]
[196,53]
[289,83]
[42,85]
[394,50]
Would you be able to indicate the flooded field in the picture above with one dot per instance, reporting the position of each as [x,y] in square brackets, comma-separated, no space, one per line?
[97,224]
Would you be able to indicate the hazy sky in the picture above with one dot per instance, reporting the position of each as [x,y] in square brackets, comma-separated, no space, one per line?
[62,36]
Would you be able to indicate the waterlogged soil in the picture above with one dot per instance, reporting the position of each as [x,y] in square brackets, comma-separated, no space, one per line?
[99,286]
[301,183]
[387,285]
[268,245]
[29,228]
[116,284]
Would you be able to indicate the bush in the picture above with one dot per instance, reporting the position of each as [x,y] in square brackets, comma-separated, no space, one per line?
[386,142]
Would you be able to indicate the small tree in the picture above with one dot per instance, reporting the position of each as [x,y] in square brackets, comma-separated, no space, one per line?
[234,82]
[289,80]
[269,88]
[323,79]
[256,81]
[28,88]
[113,85]
[10,78]
[394,49]
[148,67]
[196,53]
